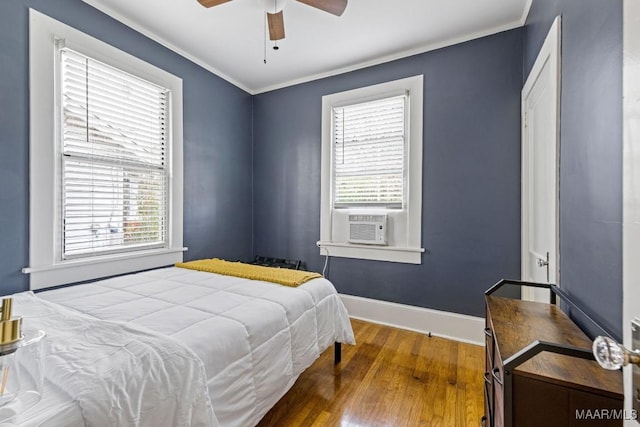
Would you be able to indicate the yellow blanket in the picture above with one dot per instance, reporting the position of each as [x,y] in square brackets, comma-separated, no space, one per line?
[281,276]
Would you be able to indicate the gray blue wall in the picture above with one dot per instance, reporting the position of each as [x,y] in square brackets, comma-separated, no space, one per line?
[590,149]
[271,171]
[217,139]
[471,179]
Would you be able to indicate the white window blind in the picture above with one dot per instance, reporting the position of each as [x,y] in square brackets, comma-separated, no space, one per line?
[369,153]
[114,149]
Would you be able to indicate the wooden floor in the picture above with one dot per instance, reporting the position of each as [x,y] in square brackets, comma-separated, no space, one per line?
[392,377]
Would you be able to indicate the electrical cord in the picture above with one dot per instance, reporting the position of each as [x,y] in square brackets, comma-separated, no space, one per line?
[326,260]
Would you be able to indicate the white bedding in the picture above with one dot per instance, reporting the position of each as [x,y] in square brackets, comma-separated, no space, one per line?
[254,338]
[118,374]
[55,409]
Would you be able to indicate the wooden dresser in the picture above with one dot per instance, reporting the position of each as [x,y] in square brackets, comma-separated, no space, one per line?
[548,389]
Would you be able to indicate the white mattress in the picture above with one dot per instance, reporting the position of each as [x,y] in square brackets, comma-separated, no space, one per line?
[253,337]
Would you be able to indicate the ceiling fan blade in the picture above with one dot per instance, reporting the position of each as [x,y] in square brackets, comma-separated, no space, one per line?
[335,7]
[276,25]
[211,3]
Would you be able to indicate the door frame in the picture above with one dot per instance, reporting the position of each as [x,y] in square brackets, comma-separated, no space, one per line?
[551,53]
[630,183]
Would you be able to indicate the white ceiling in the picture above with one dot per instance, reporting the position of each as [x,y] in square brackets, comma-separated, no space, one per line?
[229,39]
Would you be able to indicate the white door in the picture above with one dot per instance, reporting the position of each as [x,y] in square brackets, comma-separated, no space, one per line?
[631,186]
[540,108]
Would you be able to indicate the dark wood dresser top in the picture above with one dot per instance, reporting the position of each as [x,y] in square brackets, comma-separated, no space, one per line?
[517,323]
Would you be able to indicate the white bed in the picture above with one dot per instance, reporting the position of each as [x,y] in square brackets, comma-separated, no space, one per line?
[253,338]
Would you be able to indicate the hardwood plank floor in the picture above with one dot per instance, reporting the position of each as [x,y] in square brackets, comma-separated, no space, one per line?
[392,377]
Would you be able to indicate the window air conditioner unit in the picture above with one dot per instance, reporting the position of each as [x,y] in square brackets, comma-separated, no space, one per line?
[368,229]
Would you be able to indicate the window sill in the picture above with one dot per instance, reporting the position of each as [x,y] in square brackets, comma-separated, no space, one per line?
[371,252]
[78,270]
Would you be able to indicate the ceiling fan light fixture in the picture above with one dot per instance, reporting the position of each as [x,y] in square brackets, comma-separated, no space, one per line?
[275,16]
[273,6]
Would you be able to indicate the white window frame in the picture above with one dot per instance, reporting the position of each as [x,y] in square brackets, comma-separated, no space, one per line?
[46,266]
[405,228]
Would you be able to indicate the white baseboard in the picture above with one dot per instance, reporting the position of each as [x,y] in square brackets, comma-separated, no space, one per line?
[459,327]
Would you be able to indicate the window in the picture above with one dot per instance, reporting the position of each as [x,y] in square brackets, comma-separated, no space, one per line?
[106,159]
[114,175]
[368,160]
[372,165]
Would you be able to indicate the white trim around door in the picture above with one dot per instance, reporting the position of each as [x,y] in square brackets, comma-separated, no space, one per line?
[547,65]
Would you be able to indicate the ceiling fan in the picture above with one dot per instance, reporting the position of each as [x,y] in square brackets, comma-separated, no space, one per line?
[276,20]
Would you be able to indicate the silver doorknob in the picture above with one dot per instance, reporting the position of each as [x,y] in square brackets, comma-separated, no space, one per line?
[542,262]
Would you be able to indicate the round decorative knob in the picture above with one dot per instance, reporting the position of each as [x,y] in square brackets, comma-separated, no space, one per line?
[608,353]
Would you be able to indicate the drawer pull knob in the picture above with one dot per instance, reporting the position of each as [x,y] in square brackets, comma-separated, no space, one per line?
[495,375]
[487,378]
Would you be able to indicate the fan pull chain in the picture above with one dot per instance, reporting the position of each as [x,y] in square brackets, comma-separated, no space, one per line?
[275,10]
[265,39]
